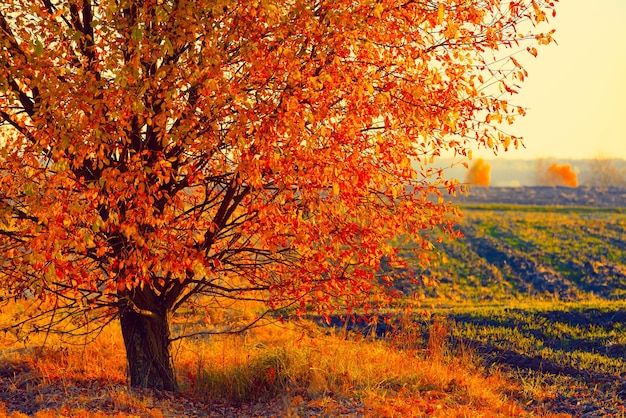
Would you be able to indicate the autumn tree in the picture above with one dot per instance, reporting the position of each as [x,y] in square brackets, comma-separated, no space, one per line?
[161,153]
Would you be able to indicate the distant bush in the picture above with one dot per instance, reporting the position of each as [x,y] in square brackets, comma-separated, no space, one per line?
[605,172]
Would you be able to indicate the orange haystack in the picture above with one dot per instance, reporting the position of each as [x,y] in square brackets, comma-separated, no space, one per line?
[562,175]
[479,173]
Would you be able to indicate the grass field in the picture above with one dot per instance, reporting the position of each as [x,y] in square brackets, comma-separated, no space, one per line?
[566,357]
[527,320]
[513,251]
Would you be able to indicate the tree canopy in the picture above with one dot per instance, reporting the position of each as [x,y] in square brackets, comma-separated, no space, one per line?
[157,151]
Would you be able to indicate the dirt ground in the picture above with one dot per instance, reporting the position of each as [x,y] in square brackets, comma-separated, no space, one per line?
[547,195]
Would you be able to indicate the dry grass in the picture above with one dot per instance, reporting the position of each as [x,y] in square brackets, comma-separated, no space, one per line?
[317,367]
[280,370]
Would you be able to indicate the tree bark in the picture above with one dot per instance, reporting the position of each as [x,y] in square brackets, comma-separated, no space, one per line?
[146,337]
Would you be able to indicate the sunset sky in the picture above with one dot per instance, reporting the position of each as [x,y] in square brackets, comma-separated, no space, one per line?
[576,90]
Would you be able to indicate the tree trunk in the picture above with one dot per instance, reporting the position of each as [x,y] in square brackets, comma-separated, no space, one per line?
[146,337]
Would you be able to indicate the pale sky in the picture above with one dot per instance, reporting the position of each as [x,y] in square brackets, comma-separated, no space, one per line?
[576,90]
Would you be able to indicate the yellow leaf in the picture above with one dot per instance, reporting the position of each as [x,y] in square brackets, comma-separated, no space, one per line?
[378,10]
[198,270]
[440,12]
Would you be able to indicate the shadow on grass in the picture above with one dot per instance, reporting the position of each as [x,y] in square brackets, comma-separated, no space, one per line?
[24,390]
[590,357]
[564,341]
[494,355]
[16,383]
